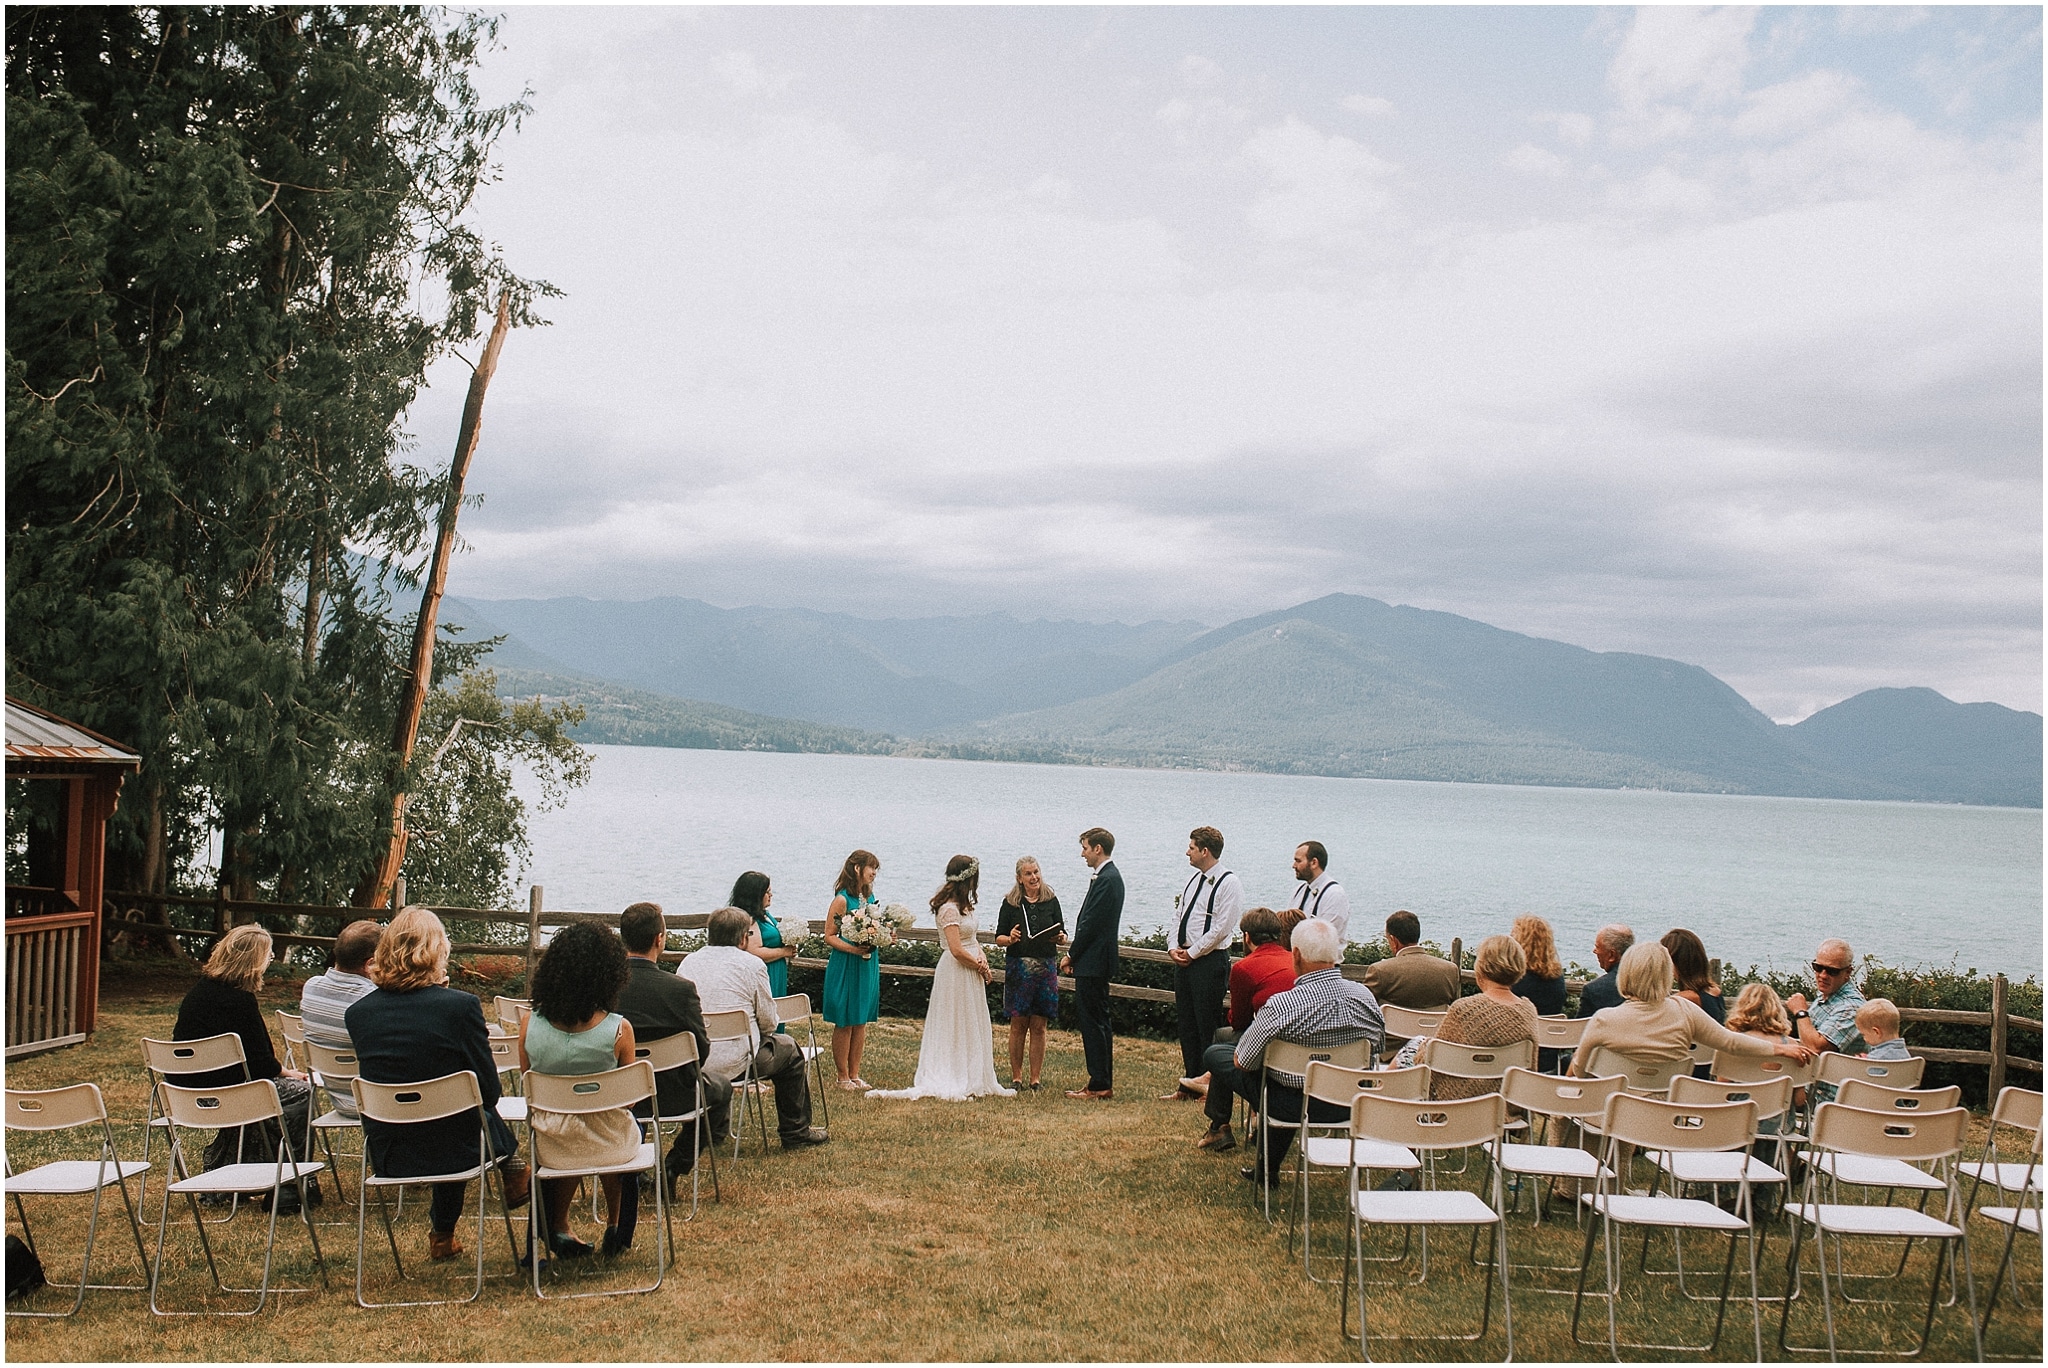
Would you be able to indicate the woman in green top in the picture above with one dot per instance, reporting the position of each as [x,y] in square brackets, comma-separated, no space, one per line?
[752,895]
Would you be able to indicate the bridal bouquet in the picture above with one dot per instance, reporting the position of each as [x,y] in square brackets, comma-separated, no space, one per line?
[877,926]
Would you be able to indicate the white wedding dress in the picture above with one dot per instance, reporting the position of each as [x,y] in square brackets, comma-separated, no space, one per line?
[957,1059]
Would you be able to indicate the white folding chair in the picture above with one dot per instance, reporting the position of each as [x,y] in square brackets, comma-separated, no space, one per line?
[1669,1128]
[1643,1077]
[1427,1128]
[412,1104]
[1448,1059]
[505,1059]
[587,1095]
[1561,1099]
[178,1058]
[738,1024]
[2015,1219]
[1841,1134]
[57,1109]
[1561,1034]
[293,1028]
[2018,1110]
[1404,1024]
[510,1012]
[333,1071]
[1833,1066]
[1716,1169]
[1334,1149]
[676,1052]
[795,1010]
[239,1104]
[1286,1057]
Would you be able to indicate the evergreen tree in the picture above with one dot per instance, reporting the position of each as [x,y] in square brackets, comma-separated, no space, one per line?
[236,239]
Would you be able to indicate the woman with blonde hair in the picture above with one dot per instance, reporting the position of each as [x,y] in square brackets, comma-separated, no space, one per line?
[413,1028]
[1030,928]
[1492,1016]
[223,1002]
[1654,1024]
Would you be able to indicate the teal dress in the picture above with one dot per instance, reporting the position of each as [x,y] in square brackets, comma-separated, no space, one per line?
[853,986]
[778,970]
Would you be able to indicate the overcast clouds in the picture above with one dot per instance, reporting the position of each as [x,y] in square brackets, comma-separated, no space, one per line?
[1715,335]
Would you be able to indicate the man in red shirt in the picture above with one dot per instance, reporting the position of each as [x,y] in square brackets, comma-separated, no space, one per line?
[1266,969]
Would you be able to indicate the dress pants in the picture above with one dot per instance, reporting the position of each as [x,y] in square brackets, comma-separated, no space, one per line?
[1284,1104]
[1098,1042]
[780,1062]
[1198,990]
[1226,1081]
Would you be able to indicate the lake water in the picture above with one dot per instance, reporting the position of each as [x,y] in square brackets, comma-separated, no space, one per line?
[1761,880]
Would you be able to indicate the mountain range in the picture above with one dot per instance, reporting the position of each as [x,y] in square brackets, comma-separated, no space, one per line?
[1341,685]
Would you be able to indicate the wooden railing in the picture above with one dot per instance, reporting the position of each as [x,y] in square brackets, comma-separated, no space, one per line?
[45,1000]
[1998,1022]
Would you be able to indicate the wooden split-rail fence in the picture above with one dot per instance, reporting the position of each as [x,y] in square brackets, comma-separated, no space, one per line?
[1997,1059]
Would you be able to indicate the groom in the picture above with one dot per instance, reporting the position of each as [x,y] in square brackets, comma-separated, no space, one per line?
[1091,959]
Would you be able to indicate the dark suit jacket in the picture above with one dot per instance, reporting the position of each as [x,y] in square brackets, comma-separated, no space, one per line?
[410,1038]
[1599,994]
[659,1004]
[1093,949]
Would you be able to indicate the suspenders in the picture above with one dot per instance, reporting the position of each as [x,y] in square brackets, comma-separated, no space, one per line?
[1304,903]
[1208,914]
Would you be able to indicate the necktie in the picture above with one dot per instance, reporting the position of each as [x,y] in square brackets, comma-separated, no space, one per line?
[1201,880]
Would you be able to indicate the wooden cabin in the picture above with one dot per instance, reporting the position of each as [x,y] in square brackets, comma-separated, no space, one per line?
[73,780]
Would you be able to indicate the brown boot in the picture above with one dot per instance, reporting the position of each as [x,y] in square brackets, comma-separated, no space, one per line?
[518,1180]
[441,1248]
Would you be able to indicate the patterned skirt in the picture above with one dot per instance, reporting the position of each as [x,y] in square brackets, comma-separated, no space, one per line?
[1031,987]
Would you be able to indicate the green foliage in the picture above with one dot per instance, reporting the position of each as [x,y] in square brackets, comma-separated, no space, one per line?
[235,242]
[616,715]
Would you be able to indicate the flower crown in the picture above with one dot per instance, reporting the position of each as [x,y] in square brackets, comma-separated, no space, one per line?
[973,868]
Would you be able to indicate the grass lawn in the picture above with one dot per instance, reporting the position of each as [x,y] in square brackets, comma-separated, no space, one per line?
[1027,1229]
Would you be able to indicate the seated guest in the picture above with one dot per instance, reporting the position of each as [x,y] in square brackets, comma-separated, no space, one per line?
[1322,1008]
[1691,972]
[1543,984]
[1267,968]
[658,1005]
[1410,976]
[1494,1015]
[415,1027]
[1610,943]
[1290,917]
[728,977]
[1758,1012]
[1878,1022]
[573,1030]
[223,1002]
[1654,1024]
[326,998]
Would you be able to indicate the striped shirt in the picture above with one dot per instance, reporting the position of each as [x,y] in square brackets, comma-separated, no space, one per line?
[1323,1008]
[323,1006]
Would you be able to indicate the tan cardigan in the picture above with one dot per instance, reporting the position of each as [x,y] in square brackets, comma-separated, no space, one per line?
[1666,1031]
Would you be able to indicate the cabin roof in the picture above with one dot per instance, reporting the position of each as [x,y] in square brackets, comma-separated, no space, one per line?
[36,734]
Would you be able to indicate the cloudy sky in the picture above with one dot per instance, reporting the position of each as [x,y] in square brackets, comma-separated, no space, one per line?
[1710,334]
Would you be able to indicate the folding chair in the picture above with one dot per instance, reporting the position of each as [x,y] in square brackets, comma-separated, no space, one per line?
[1558,1098]
[2014,1219]
[238,1104]
[505,1059]
[1476,1064]
[1842,1134]
[333,1071]
[510,1012]
[411,1104]
[68,1108]
[1404,1024]
[293,1028]
[1643,1077]
[675,1052]
[1561,1034]
[1668,1128]
[1426,1128]
[2017,1109]
[793,1010]
[178,1058]
[1286,1057]
[1833,1066]
[1739,1169]
[585,1095]
[1335,1149]
[738,1024]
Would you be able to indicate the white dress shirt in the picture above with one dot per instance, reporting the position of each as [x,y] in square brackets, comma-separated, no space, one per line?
[729,978]
[1207,932]
[1325,900]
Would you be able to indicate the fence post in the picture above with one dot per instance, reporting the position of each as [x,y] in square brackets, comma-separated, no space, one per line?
[398,894]
[1458,951]
[1714,970]
[220,908]
[533,901]
[1997,1039]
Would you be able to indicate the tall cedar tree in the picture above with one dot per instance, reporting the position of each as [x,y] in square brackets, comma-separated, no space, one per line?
[235,242]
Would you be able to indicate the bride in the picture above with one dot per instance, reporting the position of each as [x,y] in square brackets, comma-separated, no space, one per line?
[957,1059]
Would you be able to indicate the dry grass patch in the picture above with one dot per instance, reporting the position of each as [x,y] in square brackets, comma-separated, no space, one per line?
[1027,1229]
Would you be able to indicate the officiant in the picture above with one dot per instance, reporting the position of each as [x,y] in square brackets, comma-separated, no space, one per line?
[1030,929]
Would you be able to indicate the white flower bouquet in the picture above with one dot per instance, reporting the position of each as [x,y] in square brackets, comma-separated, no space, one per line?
[877,926]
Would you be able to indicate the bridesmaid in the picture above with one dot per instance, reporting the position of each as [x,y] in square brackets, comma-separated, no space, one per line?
[853,976]
[751,895]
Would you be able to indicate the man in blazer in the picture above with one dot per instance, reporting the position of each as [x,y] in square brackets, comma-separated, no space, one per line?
[1091,959]
[1609,945]
[1411,977]
[659,1005]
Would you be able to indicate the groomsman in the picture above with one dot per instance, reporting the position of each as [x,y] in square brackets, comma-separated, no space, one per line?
[1091,959]
[1319,896]
[1200,947]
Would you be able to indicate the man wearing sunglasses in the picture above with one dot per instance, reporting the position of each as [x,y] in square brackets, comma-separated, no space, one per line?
[1829,1021]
